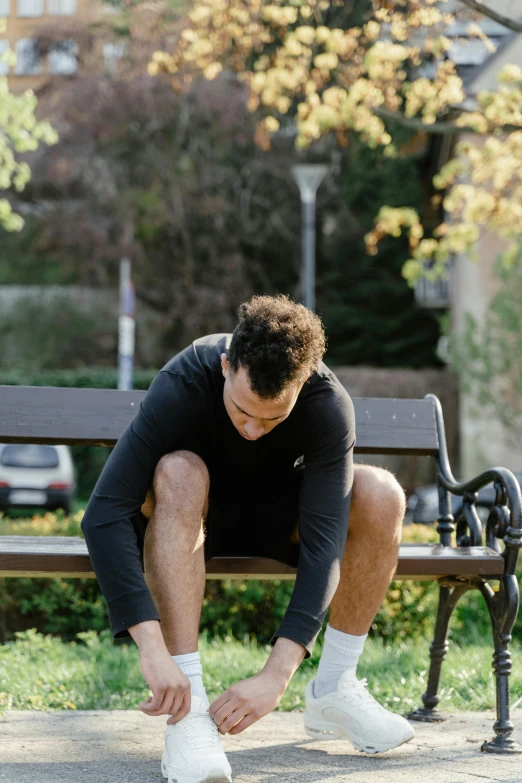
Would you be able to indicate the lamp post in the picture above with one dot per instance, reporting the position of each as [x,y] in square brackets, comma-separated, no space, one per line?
[308,177]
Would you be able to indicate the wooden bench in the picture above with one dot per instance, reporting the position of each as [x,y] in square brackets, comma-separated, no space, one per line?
[384,426]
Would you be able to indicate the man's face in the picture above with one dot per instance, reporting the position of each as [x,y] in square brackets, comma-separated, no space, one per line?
[251,416]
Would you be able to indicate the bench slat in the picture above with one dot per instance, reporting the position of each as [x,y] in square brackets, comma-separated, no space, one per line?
[31,414]
[67,556]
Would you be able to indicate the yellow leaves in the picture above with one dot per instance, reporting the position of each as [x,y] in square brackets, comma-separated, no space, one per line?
[283,103]
[335,81]
[69,705]
[258,82]
[322,34]
[293,47]
[479,208]
[428,16]
[399,29]
[200,14]
[473,120]
[328,60]
[426,249]
[461,237]
[271,124]
[262,63]
[391,221]
[305,35]
[212,70]
[326,117]
[334,96]
[371,30]
[432,97]
[240,15]
[189,35]
[510,74]
[19,132]
[282,16]
[383,59]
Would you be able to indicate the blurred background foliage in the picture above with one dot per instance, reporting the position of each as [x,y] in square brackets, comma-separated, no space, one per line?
[176,183]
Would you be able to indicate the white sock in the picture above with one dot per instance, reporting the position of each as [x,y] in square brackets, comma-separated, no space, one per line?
[341,653]
[190,665]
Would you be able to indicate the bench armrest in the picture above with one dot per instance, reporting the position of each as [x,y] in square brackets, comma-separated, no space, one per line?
[505,518]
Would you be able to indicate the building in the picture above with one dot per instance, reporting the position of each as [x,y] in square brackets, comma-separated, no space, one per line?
[484,441]
[29,20]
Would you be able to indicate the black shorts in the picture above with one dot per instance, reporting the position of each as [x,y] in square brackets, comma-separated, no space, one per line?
[248,529]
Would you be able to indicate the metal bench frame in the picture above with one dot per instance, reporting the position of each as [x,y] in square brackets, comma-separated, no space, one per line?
[99,416]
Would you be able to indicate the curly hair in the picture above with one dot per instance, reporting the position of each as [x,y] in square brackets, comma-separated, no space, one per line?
[278,341]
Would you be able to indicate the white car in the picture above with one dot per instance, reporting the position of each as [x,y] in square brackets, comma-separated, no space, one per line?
[36,475]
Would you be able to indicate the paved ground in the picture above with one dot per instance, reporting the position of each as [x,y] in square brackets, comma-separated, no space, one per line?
[125,747]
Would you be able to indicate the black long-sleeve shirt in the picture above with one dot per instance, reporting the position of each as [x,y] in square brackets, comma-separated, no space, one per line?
[184,409]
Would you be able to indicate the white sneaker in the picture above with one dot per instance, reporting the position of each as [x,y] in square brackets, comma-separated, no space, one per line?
[193,751]
[353,713]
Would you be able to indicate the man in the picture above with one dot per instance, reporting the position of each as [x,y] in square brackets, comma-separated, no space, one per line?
[243,445]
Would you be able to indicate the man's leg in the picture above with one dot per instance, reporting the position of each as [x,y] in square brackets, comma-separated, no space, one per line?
[174,566]
[173,554]
[377,511]
[369,561]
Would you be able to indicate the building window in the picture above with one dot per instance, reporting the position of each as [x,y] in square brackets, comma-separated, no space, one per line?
[28,58]
[112,52]
[4,65]
[5,8]
[63,7]
[30,7]
[62,58]
[435,294]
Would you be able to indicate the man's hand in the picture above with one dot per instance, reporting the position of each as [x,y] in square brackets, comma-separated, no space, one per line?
[170,687]
[247,701]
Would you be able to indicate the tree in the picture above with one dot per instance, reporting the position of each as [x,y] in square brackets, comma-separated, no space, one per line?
[174,181]
[20,132]
[311,70]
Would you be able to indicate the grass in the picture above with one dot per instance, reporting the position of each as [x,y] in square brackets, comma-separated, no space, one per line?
[43,673]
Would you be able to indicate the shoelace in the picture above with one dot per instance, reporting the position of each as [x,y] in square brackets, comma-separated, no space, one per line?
[358,689]
[201,731]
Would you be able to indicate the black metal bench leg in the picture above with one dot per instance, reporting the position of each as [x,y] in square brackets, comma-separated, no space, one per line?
[449,596]
[503,608]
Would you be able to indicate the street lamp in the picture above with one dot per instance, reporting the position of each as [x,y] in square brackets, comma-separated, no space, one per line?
[308,177]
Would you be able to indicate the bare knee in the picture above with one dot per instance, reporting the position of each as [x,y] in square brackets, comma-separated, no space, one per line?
[378,499]
[181,481]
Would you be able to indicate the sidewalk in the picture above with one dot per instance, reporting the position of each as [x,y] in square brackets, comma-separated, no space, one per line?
[126,746]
